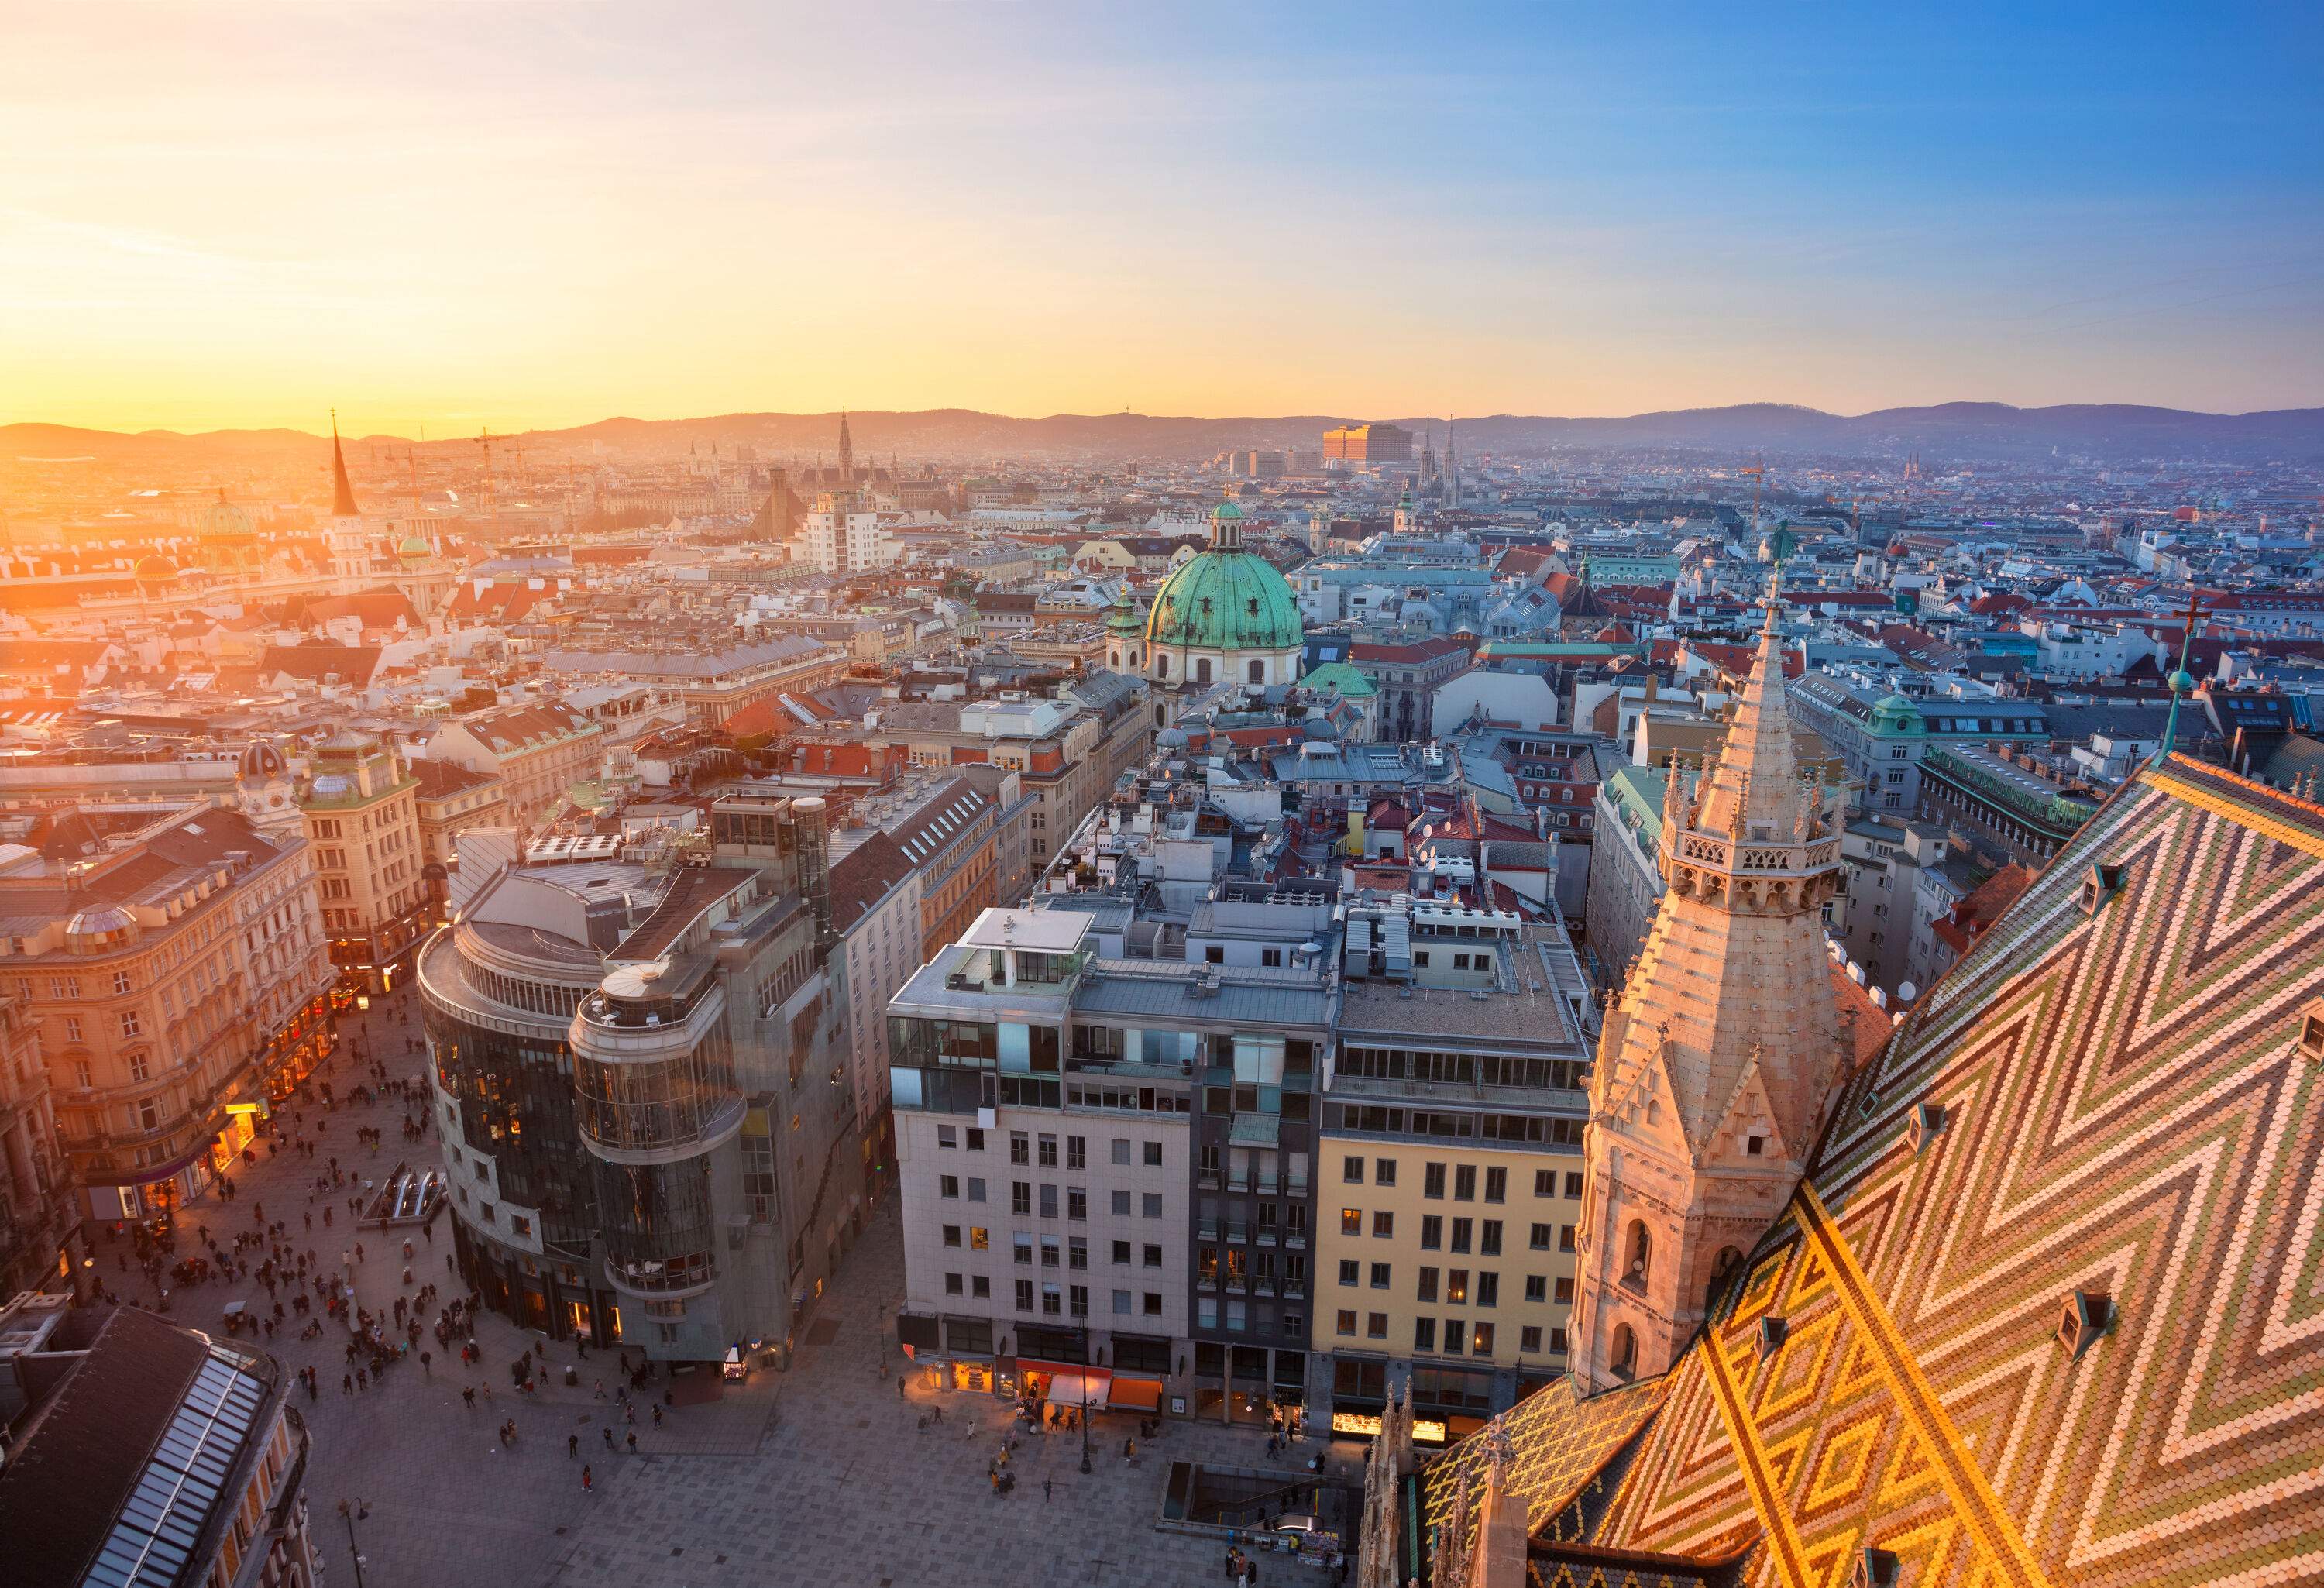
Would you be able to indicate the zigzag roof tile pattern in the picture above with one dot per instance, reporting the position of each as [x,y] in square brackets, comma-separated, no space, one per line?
[2126,1111]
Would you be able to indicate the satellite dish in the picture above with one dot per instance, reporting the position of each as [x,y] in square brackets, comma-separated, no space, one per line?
[1906,992]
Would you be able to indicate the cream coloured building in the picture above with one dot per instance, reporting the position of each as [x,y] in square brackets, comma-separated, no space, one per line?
[361,808]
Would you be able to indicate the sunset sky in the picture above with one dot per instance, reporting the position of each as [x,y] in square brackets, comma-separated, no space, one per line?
[537,215]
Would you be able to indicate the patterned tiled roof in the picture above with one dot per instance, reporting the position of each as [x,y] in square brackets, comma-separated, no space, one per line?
[1558,1444]
[2112,1100]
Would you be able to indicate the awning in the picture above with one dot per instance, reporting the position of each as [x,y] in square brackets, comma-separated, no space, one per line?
[1085,1389]
[1138,1394]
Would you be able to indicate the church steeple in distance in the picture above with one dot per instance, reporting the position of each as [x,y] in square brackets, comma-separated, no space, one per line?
[1716,1065]
[343,494]
[846,455]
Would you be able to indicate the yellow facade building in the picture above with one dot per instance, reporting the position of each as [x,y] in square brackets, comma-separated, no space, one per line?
[362,812]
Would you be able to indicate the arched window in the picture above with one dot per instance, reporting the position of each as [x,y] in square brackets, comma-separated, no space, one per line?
[1259,672]
[1160,720]
[1202,670]
[1625,1362]
[1638,1248]
[1721,1267]
[1162,665]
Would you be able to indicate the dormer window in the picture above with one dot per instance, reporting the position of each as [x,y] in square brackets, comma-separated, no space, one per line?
[1755,1145]
[1773,1330]
[1928,1119]
[2100,884]
[1876,1568]
[2086,1315]
[2311,1030]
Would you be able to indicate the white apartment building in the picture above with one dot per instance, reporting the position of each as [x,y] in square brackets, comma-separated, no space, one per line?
[843,535]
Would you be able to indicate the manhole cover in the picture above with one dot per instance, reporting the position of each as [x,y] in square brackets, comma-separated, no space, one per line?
[823,1333]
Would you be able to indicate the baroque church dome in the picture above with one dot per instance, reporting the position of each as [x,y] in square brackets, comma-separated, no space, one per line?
[1226,598]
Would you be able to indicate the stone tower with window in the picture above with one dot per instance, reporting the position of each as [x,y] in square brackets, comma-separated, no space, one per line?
[1717,1062]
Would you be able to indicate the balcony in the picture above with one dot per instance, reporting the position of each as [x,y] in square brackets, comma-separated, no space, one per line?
[1207,1229]
[1268,1187]
[1208,1179]
[1238,1234]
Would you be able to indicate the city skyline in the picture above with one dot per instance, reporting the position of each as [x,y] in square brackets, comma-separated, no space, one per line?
[538,218]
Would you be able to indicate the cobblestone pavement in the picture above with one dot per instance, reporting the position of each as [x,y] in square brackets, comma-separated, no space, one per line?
[822,1475]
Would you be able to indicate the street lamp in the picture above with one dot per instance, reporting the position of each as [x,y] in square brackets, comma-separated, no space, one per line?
[361,1509]
[1085,1461]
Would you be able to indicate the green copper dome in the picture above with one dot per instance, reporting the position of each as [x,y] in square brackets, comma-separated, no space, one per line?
[1225,600]
[1226,510]
[1896,714]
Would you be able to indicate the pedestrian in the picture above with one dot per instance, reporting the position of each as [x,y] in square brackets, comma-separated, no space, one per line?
[1047,1485]
[346,1383]
[609,1436]
[586,1485]
[601,1388]
[1129,1448]
[427,1359]
[633,1441]
[468,1396]
[657,1410]
[572,1446]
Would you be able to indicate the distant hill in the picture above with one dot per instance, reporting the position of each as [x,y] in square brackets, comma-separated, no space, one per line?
[958,436]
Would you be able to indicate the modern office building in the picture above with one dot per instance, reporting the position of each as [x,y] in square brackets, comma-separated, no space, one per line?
[642,1090]
[1357,447]
[1133,1189]
[1450,1158]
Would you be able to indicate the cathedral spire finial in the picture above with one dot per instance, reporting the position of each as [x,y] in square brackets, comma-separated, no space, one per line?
[343,494]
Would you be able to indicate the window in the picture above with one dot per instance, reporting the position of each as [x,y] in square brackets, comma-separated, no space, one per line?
[1755,1145]
[1638,1250]
[1529,1338]
[1488,1288]
[1488,1243]
[1153,1256]
[1482,1344]
[1052,1250]
[1432,1231]
[1022,1241]
[137,1066]
[1078,1300]
[1497,1185]
[1557,1341]
[1121,1252]
[1122,1205]
[1122,1304]
[1351,1271]
[1456,1286]
[976,1140]
[1383,1227]
[1566,1237]
[1454,1332]
[72,1027]
[1574,1186]
[1077,1152]
[1214,955]
[948,1186]
[1537,1287]
[1424,1334]
[1077,1203]
[1352,1221]
[1048,1200]
[1153,1204]
[979,1239]
[1077,1252]
[1537,1237]
[951,1235]
[1024,1296]
[948,1136]
[1048,1152]
[1352,1170]
[121,980]
[1347,1320]
[1153,1155]
[954,1285]
[1461,1230]
[1154,1306]
[1384,1171]
[1122,1158]
[1020,1198]
[81,1076]
[976,1189]
[1376,1326]
[1563,1290]
[1464,1183]
[1432,1181]
[1020,1147]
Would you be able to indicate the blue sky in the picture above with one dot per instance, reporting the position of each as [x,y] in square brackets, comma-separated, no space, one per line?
[538,214]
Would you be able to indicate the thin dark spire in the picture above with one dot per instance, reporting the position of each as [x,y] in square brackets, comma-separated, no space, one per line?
[343,494]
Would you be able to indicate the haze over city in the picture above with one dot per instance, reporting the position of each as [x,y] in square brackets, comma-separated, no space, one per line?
[532,216]
[1372,796]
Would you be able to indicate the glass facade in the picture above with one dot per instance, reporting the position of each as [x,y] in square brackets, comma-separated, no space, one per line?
[660,1227]
[648,1103]
[516,1100]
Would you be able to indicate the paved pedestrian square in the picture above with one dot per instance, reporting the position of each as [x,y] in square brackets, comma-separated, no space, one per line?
[822,1475]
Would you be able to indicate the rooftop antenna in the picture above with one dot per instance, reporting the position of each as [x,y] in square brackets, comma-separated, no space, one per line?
[2181,680]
